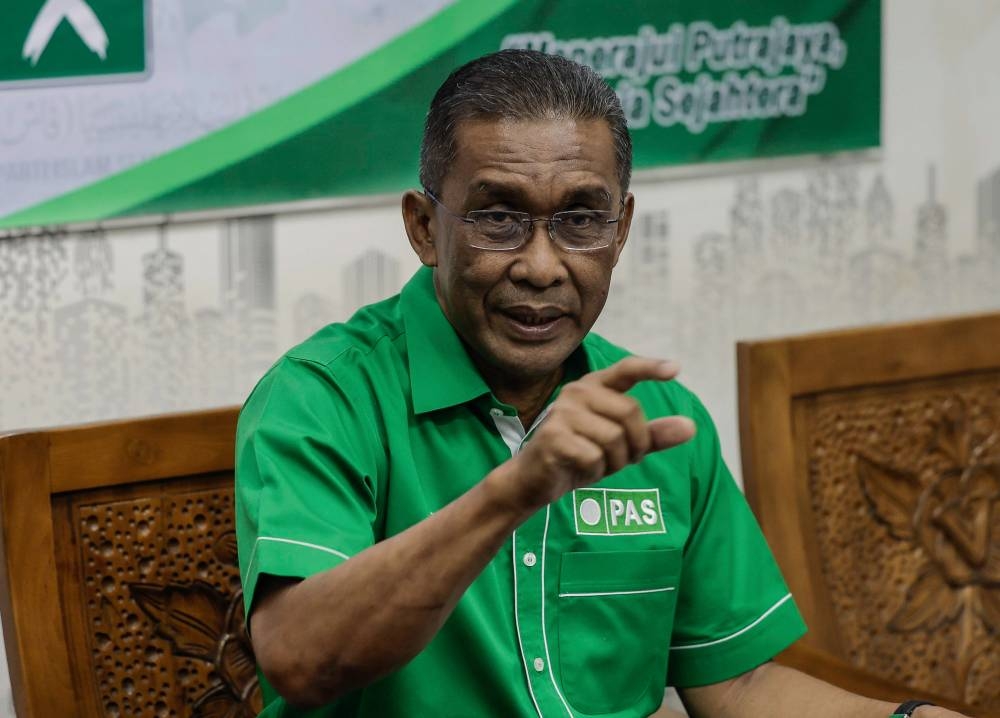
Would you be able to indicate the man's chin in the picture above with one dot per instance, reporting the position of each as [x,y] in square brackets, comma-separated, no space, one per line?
[535,362]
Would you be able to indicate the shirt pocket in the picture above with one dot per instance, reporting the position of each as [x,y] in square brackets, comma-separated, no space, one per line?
[615,612]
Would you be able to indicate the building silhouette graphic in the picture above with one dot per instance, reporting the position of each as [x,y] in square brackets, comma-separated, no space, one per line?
[371,277]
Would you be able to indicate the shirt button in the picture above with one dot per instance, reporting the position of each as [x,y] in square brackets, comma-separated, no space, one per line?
[539,665]
[529,559]
[496,412]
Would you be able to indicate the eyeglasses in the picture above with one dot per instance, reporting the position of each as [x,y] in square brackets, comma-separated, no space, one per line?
[500,230]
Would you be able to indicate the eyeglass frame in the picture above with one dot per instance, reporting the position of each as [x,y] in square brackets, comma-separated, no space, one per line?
[526,218]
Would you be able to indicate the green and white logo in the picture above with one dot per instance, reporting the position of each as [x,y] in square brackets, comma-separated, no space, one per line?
[79,39]
[608,512]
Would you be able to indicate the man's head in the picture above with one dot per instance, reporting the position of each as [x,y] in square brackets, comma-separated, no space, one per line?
[519,85]
[522,132]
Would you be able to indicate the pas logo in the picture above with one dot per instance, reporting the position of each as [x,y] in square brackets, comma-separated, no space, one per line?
[608,512]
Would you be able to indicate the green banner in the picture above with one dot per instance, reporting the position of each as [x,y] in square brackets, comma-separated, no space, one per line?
[701,82]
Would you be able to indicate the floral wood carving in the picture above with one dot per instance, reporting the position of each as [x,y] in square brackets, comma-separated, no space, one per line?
[905,489]
[949,515]
[201,622]
[162,614]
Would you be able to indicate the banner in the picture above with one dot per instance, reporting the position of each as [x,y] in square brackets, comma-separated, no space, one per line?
[113,108]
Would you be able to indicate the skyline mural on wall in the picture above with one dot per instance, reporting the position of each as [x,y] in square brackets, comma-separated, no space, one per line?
[821,248]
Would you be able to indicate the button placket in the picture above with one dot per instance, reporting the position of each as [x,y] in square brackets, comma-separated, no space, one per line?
[529,548]
[529,589]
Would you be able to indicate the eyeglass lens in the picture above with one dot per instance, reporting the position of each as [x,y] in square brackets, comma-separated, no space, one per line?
[578,229]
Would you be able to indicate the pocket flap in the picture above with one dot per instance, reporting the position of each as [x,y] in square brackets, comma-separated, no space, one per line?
[619,571]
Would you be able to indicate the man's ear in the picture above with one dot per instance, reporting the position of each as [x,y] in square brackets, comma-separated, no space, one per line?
[621,236]
[421,226]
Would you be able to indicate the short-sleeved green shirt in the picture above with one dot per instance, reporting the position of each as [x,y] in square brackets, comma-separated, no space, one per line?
[656,575]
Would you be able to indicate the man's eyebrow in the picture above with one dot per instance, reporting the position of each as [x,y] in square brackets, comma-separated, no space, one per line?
[577,195]
[587,195]
[491,189]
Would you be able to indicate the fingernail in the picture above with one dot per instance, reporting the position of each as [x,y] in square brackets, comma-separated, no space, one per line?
[668,368]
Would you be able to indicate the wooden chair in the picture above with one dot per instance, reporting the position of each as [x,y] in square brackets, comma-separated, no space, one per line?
[872,461]
[118,580]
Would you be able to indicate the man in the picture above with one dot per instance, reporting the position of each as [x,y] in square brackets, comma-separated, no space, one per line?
[461,503]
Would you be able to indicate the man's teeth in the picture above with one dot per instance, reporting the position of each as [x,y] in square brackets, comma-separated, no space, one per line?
[533,321]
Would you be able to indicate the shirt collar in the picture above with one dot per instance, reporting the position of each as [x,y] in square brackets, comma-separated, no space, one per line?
[441,372]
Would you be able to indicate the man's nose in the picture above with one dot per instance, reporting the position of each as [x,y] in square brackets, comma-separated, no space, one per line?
[539,262]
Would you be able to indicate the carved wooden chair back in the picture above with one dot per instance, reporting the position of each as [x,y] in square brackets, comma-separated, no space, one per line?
[118,580]
[872,460]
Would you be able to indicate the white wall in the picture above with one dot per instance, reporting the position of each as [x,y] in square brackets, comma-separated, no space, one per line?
[142,321]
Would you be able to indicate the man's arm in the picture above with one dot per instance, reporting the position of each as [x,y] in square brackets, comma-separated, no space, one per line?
[339,630]
[775,691]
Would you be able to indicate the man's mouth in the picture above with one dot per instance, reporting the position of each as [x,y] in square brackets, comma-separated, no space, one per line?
[527,315]
[534,322]
[533,316]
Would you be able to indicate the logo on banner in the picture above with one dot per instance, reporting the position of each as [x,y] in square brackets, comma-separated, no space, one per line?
[80,17]
[609,512]
[67,40]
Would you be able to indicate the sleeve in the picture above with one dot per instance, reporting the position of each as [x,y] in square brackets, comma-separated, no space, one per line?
[307,462]
[734,611]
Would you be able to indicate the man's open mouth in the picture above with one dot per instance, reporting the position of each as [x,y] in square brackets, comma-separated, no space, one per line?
[534,322]
[534,317]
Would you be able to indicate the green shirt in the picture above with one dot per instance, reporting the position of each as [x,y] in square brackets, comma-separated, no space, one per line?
[658,574]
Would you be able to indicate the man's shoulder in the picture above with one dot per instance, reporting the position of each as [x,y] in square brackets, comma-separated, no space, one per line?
[337,367]
[342,346]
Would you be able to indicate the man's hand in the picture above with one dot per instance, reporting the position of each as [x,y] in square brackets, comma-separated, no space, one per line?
[594,429]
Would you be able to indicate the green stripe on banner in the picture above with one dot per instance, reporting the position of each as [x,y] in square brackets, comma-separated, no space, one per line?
[133,188]
[370,148]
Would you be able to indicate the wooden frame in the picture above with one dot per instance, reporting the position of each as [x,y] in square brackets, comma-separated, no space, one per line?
[35,469]
[776,380]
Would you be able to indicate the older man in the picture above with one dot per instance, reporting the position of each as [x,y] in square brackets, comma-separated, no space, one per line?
[463,503]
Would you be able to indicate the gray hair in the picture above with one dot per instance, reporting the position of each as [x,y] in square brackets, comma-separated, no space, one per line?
[518,85]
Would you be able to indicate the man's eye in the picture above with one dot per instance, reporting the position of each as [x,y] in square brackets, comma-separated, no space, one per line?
[497,218]
[578,220]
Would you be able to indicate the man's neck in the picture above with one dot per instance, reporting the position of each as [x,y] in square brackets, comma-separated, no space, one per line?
[528,395]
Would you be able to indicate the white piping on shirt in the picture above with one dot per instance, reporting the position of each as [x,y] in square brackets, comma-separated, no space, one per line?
[618,593]
[253,554]
[740,632]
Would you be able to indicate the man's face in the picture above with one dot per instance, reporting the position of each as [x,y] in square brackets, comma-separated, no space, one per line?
[522,312]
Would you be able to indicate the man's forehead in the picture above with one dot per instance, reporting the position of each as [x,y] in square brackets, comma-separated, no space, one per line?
[501,155]
[597,131]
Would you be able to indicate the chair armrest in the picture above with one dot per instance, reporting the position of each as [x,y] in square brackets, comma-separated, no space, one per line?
[832,669]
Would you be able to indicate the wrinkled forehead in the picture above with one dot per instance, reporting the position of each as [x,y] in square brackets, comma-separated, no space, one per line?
[595,133]
[533,155]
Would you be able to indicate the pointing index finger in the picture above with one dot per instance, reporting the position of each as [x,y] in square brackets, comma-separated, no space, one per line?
[628,372]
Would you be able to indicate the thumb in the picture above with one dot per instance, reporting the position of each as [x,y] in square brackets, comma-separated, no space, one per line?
[670,431]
